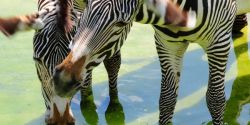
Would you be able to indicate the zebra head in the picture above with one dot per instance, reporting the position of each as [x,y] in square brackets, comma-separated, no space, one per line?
[103,27]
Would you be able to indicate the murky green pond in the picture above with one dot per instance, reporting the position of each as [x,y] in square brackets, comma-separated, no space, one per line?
[139,83]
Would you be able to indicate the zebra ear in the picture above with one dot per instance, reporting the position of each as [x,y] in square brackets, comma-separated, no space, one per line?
[10,26]
[172,13]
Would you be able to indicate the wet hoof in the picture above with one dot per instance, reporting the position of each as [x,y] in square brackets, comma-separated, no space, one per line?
[57,119]
[88,109]
[115,111]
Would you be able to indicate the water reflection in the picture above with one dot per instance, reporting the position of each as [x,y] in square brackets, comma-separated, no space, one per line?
[240,94]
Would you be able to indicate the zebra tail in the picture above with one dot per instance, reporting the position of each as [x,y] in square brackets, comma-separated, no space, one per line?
[64,15]
[9,26]
[243,6]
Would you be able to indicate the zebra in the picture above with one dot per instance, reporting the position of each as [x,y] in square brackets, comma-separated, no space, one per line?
[105,25]
[116,57]
[50,44]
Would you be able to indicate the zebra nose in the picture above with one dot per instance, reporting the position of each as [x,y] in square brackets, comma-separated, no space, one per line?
[57,70]
[60,82]
[64,83]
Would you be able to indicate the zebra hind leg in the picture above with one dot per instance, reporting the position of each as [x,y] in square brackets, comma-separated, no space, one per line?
[112,66]
[215,96]
[171,57]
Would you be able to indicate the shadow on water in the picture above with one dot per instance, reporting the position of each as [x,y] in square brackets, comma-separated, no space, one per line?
[139,93]
[240,94]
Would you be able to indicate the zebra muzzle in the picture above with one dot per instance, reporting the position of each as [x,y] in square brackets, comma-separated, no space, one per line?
[61,119]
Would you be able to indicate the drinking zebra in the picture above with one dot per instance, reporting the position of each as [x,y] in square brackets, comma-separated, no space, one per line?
[105,25]
[50,45]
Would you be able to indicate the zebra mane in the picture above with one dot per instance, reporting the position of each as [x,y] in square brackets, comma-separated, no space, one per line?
[63,16]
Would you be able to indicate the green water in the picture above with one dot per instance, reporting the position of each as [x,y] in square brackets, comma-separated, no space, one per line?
[240,94]
[21,102]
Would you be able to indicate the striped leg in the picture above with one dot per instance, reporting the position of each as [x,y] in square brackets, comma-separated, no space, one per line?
[217,59]
[171,57]
[86,90]
[112,66]
[88,107]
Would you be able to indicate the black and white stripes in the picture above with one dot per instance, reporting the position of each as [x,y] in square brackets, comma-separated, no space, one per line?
[105,25]
[213,32]
[50,46]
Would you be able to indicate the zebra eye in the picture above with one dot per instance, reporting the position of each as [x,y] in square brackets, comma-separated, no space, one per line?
[121,24]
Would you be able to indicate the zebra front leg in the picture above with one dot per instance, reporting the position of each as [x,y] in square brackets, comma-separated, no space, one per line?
[46,88]
[86,90]
[88,107]
[215,96]
[112,66]
[171,57]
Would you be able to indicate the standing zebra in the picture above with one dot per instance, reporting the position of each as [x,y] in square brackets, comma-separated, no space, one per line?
[105,25]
